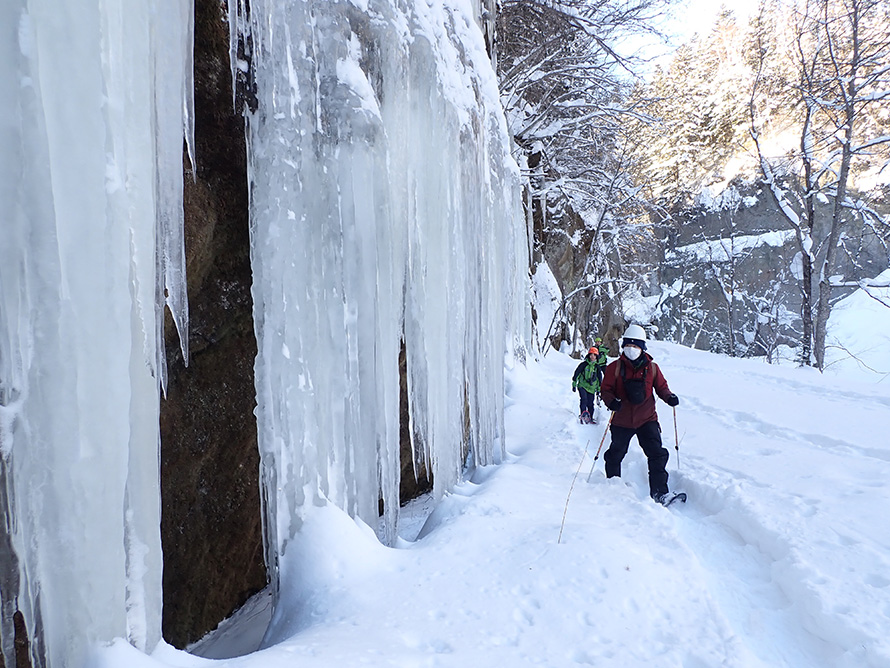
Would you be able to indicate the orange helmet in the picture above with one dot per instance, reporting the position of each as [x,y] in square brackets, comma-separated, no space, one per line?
[593,351]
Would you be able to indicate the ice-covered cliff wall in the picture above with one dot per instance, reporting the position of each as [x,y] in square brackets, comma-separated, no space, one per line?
[385,208]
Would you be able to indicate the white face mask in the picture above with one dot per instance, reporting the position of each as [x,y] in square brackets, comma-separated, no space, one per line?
[632,353]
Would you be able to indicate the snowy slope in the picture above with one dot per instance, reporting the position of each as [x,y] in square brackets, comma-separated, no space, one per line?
[781,557]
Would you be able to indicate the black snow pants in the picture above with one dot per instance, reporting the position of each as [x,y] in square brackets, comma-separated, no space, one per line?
[649,438]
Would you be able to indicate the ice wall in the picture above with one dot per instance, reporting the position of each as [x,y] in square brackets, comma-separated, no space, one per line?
[385,207]
[91,132]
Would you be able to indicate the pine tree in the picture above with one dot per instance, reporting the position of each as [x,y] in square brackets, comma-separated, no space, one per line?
[698,115]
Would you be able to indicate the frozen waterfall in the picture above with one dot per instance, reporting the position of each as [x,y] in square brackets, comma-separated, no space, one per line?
[93,112]
[385,212]
[385,208]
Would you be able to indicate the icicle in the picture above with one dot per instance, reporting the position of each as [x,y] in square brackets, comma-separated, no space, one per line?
[187,53]
[235,29]
[90,193]
[171,58]
[384,205]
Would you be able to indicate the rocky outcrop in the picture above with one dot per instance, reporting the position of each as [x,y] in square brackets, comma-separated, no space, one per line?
[738,243]
[565,241]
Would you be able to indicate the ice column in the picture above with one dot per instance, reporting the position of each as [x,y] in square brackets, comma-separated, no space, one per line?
[91,129]
[385,207]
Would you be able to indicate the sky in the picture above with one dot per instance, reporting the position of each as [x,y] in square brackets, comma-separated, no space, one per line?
[687,18]
[697,16]
[779,558]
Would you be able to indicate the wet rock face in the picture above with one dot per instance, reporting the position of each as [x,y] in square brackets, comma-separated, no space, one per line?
[410,485]
[211,527]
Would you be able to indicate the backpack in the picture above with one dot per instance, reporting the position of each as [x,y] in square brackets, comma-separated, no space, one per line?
[635,388]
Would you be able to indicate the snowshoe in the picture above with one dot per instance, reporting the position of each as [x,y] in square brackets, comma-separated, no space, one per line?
[669,498]
[585,418]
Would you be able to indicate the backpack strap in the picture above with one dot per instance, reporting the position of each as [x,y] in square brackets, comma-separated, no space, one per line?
[623,373]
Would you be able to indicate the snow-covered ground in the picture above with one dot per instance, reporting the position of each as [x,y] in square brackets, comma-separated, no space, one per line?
[781,556]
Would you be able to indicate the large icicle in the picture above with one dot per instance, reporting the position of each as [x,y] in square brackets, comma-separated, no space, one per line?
[90,197]
[384,206]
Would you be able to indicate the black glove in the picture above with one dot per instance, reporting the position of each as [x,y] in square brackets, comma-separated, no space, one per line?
[615,405]
[573,389]
[672,400]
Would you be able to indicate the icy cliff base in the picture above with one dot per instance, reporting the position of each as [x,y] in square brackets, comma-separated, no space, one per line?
[385,211]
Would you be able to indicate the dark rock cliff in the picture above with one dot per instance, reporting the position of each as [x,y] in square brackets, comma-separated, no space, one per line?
[211,527]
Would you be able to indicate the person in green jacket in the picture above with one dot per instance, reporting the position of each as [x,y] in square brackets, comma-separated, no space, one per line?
[586,381]
[602,359]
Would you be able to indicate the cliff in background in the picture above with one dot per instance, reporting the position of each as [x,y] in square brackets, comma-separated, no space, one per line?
[737,243]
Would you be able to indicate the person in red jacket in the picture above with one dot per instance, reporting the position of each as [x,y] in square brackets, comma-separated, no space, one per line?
[629,387]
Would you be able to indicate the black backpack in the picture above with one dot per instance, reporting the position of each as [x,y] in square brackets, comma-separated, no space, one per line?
[635,388]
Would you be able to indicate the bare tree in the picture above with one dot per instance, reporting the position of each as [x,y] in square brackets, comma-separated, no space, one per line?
[798,209]
[564,87]
[857,57]
[842,61]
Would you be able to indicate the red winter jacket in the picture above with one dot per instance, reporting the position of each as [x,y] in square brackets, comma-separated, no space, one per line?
[630,415]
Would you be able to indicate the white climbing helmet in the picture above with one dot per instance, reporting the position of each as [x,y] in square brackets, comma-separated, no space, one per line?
[635,332]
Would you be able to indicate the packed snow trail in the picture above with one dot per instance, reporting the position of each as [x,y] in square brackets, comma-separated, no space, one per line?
[789,470]
[775,461]
[778,559]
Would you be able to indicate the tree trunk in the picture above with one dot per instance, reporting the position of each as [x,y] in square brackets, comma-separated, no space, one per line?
[848,90]
[806,256]
[806,310]
[824,308]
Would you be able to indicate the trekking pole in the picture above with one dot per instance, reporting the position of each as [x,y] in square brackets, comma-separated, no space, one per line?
[676,440]
[603,440]
[570,492]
